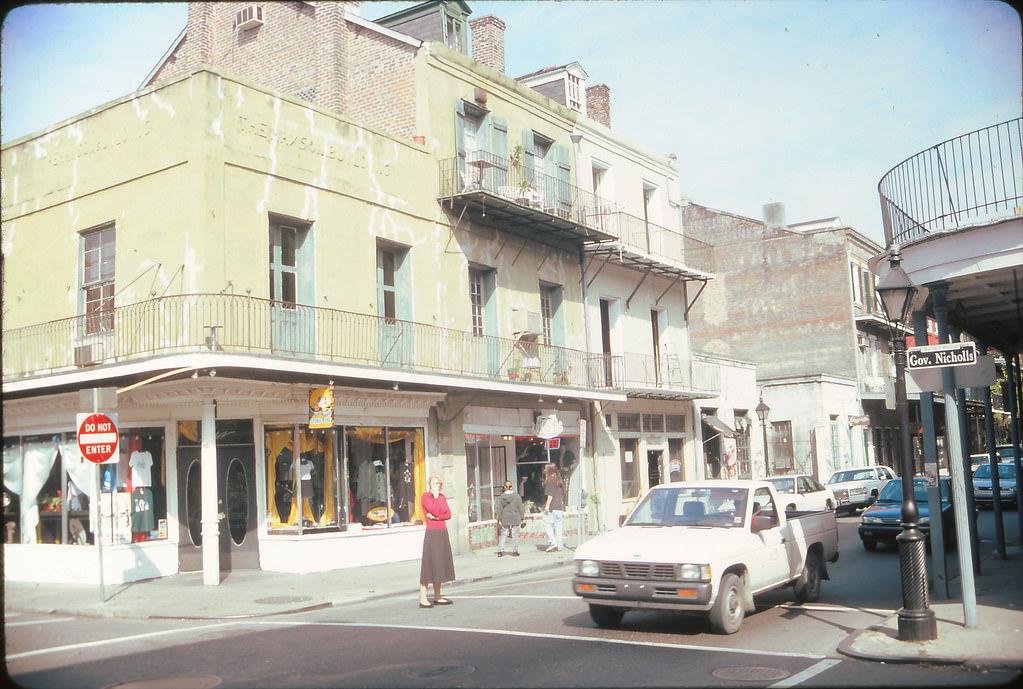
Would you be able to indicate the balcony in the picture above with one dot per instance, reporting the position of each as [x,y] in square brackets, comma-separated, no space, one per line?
[971,179]
[646,246]
[240,325]
[668,377]
[499,192]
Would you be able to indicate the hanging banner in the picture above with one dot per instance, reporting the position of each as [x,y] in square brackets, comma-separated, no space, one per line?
[321,408]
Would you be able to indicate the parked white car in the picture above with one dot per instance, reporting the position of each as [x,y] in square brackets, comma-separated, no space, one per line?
[858,488]
[803,492]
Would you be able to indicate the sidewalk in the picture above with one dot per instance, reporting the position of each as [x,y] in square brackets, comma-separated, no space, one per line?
[997,640]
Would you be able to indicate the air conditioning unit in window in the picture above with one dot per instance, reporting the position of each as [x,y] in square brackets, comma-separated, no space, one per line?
[249,17]
[525,323]
[85,356]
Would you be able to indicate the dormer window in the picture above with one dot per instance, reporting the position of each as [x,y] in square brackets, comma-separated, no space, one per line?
[575,93]
[453,33]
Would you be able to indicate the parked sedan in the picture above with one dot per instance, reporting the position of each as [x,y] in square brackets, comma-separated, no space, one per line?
[982,489]
[803,492]
[855,488]
[882,521]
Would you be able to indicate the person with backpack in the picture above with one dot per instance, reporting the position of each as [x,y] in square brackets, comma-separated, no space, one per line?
[510,513]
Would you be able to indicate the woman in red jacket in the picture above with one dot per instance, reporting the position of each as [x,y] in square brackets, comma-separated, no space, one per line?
[438,564]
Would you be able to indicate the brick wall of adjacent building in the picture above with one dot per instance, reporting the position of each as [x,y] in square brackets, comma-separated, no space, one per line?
[781,299]
[382,82]
[309,52]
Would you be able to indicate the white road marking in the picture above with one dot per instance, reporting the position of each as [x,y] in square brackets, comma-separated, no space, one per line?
[116,640]
[553,637]
[807,674]
[835,608]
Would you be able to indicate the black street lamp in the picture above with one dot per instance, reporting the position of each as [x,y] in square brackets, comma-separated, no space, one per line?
[916,619]
[762,410]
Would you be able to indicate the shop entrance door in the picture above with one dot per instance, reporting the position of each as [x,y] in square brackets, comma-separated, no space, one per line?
[653,466]
[236,502]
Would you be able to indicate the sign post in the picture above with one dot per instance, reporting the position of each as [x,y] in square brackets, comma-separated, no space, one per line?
[98,441]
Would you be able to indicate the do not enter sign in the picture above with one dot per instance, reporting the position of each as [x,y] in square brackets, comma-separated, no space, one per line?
[97,438]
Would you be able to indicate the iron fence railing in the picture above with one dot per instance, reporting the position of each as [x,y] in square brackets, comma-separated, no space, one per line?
[520,184]
[656,241]
[235,324]
[968,179]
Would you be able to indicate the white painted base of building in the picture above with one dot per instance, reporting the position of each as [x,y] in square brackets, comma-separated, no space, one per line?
[77,564]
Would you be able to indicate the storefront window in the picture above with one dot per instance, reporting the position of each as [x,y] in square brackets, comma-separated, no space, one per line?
[369,476]
[487,468]
[533,453]
[310,478]
[386,470]
[48,490]
[630,468]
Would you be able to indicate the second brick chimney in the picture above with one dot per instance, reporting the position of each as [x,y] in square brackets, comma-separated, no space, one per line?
[598,104]
[488,41]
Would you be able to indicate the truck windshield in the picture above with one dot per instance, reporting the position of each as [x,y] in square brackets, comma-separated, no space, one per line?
[691,506]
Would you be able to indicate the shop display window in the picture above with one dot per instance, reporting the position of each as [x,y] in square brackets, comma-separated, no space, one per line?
[50,491]
[532,454]
[487,470]
[346,475]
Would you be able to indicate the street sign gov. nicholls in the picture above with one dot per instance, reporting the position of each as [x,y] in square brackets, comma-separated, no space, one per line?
[934,356]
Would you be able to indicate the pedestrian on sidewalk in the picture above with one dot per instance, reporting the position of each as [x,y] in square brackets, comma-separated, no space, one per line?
[438,565]
[554,507]
[510,513]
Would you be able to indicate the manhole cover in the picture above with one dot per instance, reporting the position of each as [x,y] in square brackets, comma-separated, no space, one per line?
[439,671]
[750,673]
[175,682]
[277,600]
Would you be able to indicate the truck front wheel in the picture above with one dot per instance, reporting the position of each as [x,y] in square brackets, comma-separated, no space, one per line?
[606,616]
[730,606]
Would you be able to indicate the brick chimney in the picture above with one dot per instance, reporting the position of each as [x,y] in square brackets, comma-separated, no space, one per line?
[598,104]
[488,41]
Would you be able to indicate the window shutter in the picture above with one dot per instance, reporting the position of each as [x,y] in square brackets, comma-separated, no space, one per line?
[563,175]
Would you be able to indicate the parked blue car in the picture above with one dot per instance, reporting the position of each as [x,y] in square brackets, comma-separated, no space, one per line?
[881,522]
[982,489]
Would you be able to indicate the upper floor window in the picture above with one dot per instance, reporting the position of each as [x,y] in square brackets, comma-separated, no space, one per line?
[476,300]
[575,99]
[453,34]
[97,279]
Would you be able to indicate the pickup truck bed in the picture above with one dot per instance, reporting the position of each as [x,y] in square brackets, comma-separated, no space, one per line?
[704,546]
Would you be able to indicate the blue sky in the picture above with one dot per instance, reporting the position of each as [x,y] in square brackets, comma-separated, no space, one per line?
[807,102]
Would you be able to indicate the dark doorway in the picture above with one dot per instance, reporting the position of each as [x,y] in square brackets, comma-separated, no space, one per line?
[236,498]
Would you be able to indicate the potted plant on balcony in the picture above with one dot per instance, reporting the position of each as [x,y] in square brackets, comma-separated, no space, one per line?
[513,373]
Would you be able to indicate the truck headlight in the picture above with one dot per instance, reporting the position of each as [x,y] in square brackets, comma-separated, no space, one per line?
[870,520]
[588,568]
[694,572]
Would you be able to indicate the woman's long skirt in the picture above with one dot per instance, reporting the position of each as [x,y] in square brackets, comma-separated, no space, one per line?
[438,563]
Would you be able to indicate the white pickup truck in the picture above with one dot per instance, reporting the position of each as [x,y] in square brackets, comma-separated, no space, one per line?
[706,546]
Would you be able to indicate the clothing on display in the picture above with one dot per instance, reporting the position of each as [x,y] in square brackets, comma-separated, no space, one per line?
[141,463]
[142,518]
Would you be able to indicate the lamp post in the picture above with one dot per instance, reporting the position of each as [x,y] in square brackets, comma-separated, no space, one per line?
[916,619]
[762,411]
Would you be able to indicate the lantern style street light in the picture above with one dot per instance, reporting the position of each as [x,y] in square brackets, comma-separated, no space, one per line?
[762,411]
[916,619]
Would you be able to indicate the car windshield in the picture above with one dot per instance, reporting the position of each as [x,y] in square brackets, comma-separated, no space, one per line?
[1004,471]
[892,491]
[691,506]
[852,475]
[783,485]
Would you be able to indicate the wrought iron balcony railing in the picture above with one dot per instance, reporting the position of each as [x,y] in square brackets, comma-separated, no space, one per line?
[515,185]
[652,240]
[972,178]
[234,324]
